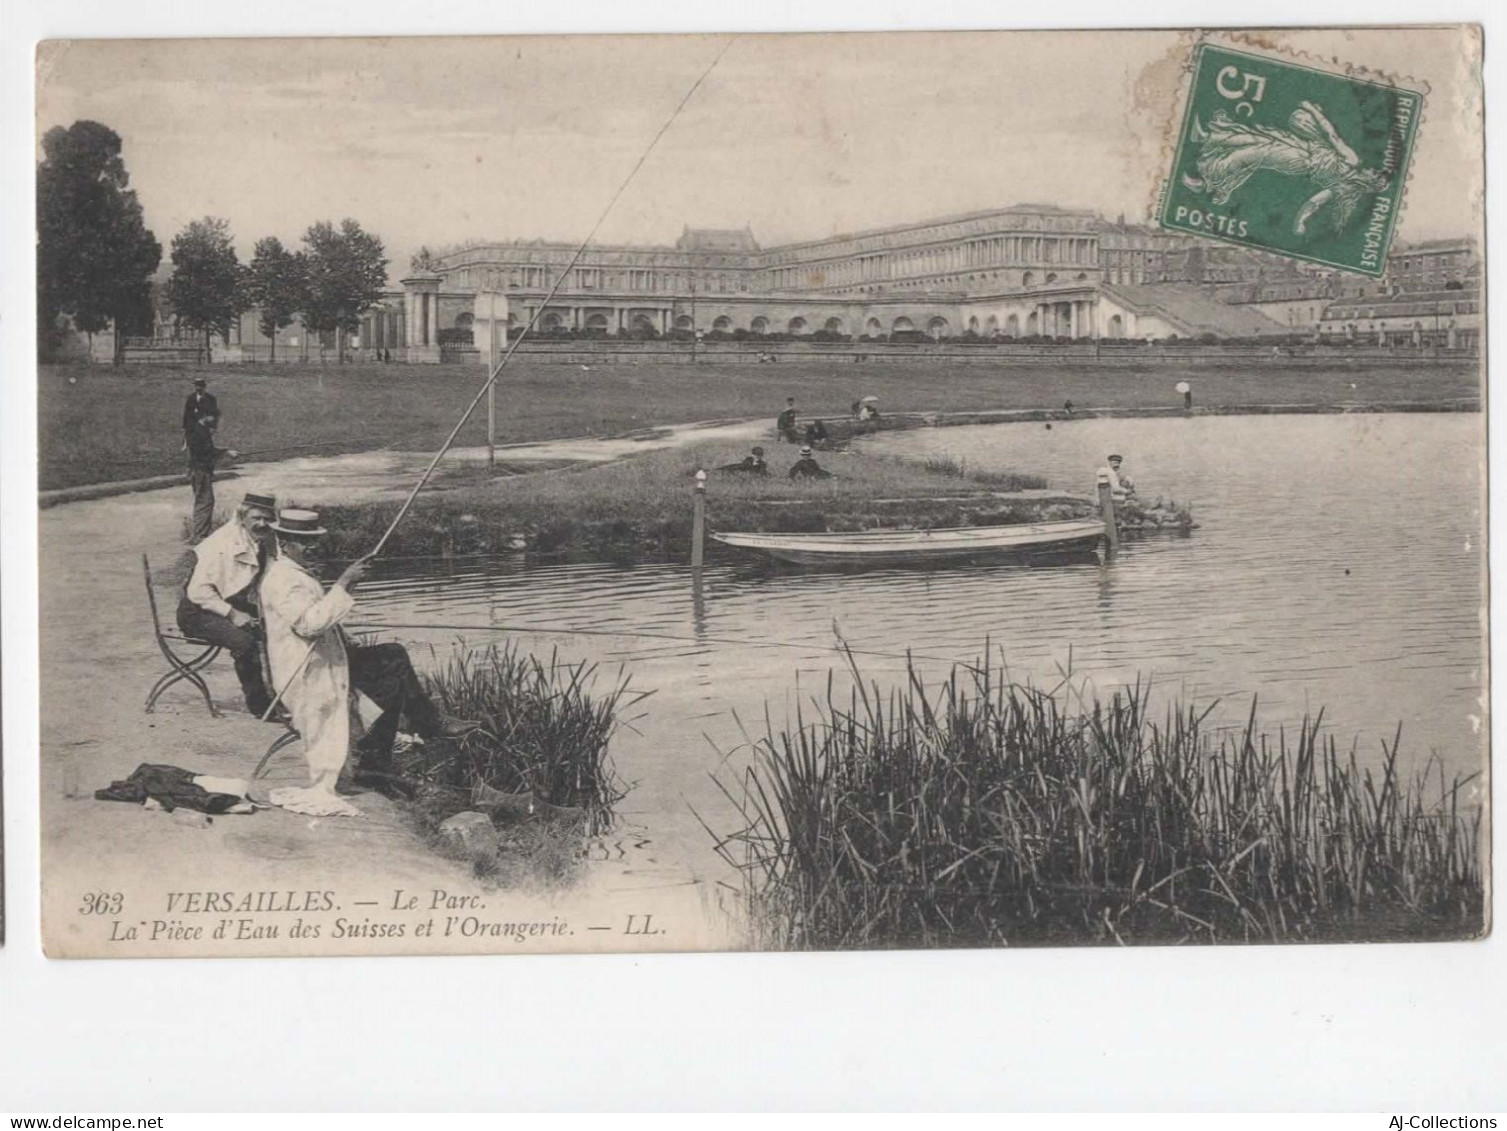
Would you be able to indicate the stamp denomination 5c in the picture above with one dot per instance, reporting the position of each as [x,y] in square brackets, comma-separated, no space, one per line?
[1299,161]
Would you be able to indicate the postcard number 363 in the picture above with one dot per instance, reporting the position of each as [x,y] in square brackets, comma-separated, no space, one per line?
[102,903]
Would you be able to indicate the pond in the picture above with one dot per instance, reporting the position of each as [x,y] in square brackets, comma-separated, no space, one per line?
[1339,563]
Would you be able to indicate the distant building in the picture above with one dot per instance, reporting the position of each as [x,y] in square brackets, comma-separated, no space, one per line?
[1409,319]
[1026,271]
[1030,270]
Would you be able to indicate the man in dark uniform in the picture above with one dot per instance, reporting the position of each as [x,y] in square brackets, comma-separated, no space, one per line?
[807,468]
[200,410]
[201,416]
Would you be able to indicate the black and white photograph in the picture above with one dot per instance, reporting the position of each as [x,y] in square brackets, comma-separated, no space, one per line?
[756,492]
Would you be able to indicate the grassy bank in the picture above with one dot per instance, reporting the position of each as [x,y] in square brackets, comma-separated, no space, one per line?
[103,424]
[987,813]
[643,506]
[537,765]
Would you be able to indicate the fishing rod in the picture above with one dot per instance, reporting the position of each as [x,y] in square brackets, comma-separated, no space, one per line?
[506,357]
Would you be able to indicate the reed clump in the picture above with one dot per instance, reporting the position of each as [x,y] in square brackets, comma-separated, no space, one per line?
[988,813]
[538,762]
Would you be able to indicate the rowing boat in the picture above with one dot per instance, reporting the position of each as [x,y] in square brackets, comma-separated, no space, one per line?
[922,547]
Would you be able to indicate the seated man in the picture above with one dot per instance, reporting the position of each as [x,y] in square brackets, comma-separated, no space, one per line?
[816,432]
[300,615]
[751,464]
[218,602]
[807,468]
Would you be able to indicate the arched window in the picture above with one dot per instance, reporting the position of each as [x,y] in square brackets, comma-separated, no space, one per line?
[1116,326]
[796,325]
[759,325]
[722,324]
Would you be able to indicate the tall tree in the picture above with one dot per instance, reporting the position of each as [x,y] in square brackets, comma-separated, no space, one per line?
[208,288]
[277,284]
[346,273]
[94,252]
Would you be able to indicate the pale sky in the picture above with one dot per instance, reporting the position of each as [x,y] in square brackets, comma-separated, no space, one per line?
[432,141]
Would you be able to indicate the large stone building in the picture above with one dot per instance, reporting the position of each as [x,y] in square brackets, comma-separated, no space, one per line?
[1027,271]
[1018,272]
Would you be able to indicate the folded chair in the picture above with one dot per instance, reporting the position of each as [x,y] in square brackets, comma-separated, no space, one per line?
[179,667]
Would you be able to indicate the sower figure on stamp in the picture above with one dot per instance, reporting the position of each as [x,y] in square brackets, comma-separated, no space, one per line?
[218,602]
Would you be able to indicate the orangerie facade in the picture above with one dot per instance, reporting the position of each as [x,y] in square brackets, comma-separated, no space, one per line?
[1008,272]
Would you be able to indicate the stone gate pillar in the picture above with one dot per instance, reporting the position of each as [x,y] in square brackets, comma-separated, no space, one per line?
[421,308]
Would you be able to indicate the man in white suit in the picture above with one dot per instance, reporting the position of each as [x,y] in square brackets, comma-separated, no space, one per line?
[301,620]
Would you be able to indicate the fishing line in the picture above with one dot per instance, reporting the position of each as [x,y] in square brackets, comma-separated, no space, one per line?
[550,630]
[512,349]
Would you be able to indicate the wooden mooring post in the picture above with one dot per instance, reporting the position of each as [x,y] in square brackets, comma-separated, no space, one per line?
[698,522]
[1107,512]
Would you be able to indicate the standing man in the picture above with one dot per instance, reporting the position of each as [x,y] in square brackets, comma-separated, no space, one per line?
[201,416]
[218,603]
[1120,484]
[785,423]
[200,410]
[202,457]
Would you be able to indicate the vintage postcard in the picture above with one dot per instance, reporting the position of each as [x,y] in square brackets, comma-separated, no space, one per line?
[732,492]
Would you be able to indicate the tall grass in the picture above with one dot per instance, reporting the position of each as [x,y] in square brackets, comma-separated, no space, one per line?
[544,733]
[991,813]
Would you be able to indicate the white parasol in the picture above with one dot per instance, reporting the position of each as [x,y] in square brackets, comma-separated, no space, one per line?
[1183,387]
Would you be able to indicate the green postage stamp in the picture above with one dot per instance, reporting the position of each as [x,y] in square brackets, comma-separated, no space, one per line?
[1292,159]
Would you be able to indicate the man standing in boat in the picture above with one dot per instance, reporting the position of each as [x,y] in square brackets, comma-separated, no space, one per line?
[1120,484]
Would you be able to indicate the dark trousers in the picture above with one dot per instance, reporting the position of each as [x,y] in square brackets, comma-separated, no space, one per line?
[385,675]
[243,645]
[203,483]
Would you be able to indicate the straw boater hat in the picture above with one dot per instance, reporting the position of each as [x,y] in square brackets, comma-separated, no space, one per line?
[200,383]
[806,450]
[266,503]
[299,523]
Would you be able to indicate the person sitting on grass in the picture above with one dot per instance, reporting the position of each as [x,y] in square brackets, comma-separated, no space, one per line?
[314,667]
[816,433]
[807,468]
[751,464]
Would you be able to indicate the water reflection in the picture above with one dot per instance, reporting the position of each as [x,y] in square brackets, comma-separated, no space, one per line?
[1337,564]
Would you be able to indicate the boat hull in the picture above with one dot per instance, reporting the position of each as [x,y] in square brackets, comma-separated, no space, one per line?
[923,547]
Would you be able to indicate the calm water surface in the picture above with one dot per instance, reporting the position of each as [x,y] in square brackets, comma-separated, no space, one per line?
[1339,563]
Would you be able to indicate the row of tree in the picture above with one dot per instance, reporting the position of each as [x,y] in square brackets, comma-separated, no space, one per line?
[96,258]
[335,277]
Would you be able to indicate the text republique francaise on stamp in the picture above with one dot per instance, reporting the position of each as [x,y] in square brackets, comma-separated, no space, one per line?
[1296,160]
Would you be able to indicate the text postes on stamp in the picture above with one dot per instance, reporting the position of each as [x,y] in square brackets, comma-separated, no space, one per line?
[1292,159]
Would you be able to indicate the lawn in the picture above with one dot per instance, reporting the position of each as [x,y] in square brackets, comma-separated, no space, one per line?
[101,424]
